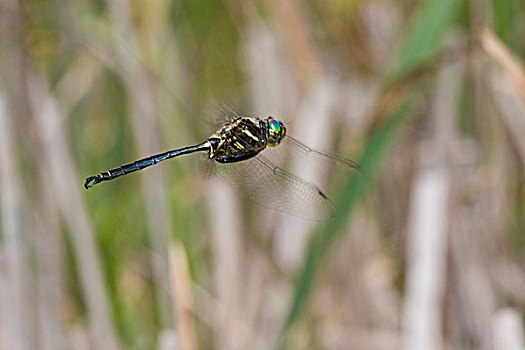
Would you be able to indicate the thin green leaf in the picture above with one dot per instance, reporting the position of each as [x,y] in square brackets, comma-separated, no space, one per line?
[424,37]
[503,19]
[422,41]
[352,191]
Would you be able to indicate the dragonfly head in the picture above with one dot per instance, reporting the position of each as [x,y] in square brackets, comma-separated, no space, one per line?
[276,131]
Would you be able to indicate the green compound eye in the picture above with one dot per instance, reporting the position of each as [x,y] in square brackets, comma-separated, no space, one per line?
[276,132]
[275,126]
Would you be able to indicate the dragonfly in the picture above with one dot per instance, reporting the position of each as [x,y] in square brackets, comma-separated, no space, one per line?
[239,153]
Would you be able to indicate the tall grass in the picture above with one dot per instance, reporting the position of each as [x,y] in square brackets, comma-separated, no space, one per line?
[164,258]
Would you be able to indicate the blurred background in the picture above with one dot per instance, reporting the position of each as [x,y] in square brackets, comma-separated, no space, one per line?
[428,248]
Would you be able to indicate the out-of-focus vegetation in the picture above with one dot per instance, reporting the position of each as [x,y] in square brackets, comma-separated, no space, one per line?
[427,251]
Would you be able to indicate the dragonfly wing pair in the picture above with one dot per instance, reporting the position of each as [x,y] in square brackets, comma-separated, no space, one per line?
[250,153]
[316,163]
[275,188]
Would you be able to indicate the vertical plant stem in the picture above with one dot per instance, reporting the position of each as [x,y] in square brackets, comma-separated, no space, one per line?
[142,106]
[62,177]
[226,233]
[14,235]
[181,284]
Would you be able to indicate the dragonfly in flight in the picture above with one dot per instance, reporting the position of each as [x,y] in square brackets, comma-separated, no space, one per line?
[238,153]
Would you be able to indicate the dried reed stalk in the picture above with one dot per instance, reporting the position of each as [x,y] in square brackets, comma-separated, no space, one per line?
[226,244]
[507,329]
[143,110]
[16,305]
[297,40]
[501,54]
[212,311]
[428,223]
[183,298]
[49,267]
[62,177]
[426,262]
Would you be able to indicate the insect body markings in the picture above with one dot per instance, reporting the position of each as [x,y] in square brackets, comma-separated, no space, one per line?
[235,154]
[243,138]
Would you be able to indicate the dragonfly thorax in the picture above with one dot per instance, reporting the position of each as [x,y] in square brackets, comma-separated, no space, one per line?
[244,137]
[239,139]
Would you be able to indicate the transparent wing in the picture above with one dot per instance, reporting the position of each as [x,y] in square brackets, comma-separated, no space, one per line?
[275,188]
[207,169]
[220,114]
[297,148]
[316,163]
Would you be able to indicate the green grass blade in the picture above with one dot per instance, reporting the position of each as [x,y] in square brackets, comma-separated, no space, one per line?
[352,192]
[422,40]
[424,37]
[503,19]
